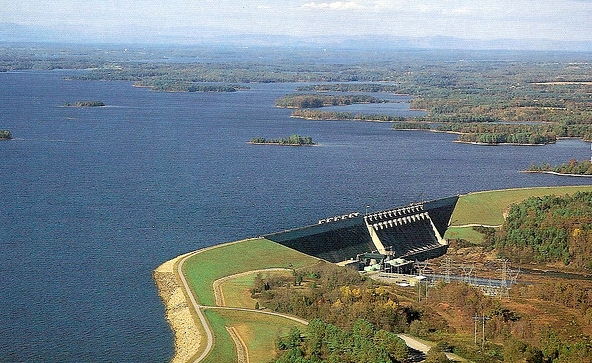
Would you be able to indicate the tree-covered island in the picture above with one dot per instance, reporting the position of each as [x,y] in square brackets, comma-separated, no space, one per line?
[5,135]
[317,101]
[293,140]
[85,104]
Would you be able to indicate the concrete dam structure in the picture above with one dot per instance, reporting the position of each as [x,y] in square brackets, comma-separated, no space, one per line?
[412,232]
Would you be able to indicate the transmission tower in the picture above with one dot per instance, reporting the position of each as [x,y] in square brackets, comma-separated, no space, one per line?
[504,288]
[447,267]
[467,271]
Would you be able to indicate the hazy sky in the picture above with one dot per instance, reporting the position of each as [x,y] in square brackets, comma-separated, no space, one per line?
[184,19]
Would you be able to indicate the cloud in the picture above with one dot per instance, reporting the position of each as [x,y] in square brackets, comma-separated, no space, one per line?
[336,5]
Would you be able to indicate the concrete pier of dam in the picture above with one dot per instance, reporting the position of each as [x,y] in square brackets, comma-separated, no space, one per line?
[412,232]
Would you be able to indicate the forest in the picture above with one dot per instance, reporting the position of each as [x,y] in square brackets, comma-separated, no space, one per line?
[340,303]
[550,229]
[325,342]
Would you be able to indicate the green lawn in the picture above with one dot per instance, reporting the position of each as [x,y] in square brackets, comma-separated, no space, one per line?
[258,331]
[488,207]
[204,268]
[223,349]
[466,233]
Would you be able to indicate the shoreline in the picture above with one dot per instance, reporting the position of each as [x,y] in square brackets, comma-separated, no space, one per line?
[186,336]
[556,173]
[191,334]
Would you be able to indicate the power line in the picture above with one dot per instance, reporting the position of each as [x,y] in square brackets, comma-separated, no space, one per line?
[482,318]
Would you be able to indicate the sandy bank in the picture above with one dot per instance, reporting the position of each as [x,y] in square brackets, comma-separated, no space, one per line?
[177,313]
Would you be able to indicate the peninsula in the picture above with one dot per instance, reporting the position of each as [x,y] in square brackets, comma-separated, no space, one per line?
[571,168]
[315,101]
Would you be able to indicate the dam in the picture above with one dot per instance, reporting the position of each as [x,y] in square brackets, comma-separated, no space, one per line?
[411,232]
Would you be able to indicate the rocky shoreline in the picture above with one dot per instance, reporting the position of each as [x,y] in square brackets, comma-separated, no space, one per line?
[177,312]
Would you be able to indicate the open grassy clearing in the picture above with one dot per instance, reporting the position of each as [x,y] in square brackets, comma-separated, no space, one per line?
[237,291]
[466,233]
[258,331]
[488,208]
[204,268]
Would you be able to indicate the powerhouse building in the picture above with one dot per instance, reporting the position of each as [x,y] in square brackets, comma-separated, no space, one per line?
[412,232]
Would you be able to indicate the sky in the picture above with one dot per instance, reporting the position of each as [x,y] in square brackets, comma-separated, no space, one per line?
[185,21]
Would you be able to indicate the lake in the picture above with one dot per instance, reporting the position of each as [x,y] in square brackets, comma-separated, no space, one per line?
[95,198]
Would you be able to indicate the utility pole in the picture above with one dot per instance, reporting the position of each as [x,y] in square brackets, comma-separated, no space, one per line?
[419,278]
[483,318]
[504,284]
[422,271]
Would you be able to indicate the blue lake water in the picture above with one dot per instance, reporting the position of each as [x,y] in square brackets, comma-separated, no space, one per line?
[95,198]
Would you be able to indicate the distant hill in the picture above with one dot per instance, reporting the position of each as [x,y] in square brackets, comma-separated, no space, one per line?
[11,32]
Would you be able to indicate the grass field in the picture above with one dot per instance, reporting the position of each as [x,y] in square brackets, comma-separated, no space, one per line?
[237,291]
[204,268]
[488,208]
[259,332]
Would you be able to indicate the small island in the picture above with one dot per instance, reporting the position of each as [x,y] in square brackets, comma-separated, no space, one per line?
[571,168]
[317,101]
[5,135]
[293,140]
[85,104]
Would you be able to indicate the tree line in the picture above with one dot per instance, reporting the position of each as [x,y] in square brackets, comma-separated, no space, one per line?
[573,167]
[349,87]
[323,342]
[311,114]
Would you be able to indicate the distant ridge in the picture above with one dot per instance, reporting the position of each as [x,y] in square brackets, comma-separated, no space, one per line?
[12,32]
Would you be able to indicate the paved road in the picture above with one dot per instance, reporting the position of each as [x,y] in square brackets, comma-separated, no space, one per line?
[199,308]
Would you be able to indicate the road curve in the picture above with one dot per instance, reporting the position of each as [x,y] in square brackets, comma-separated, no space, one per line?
[197,307]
